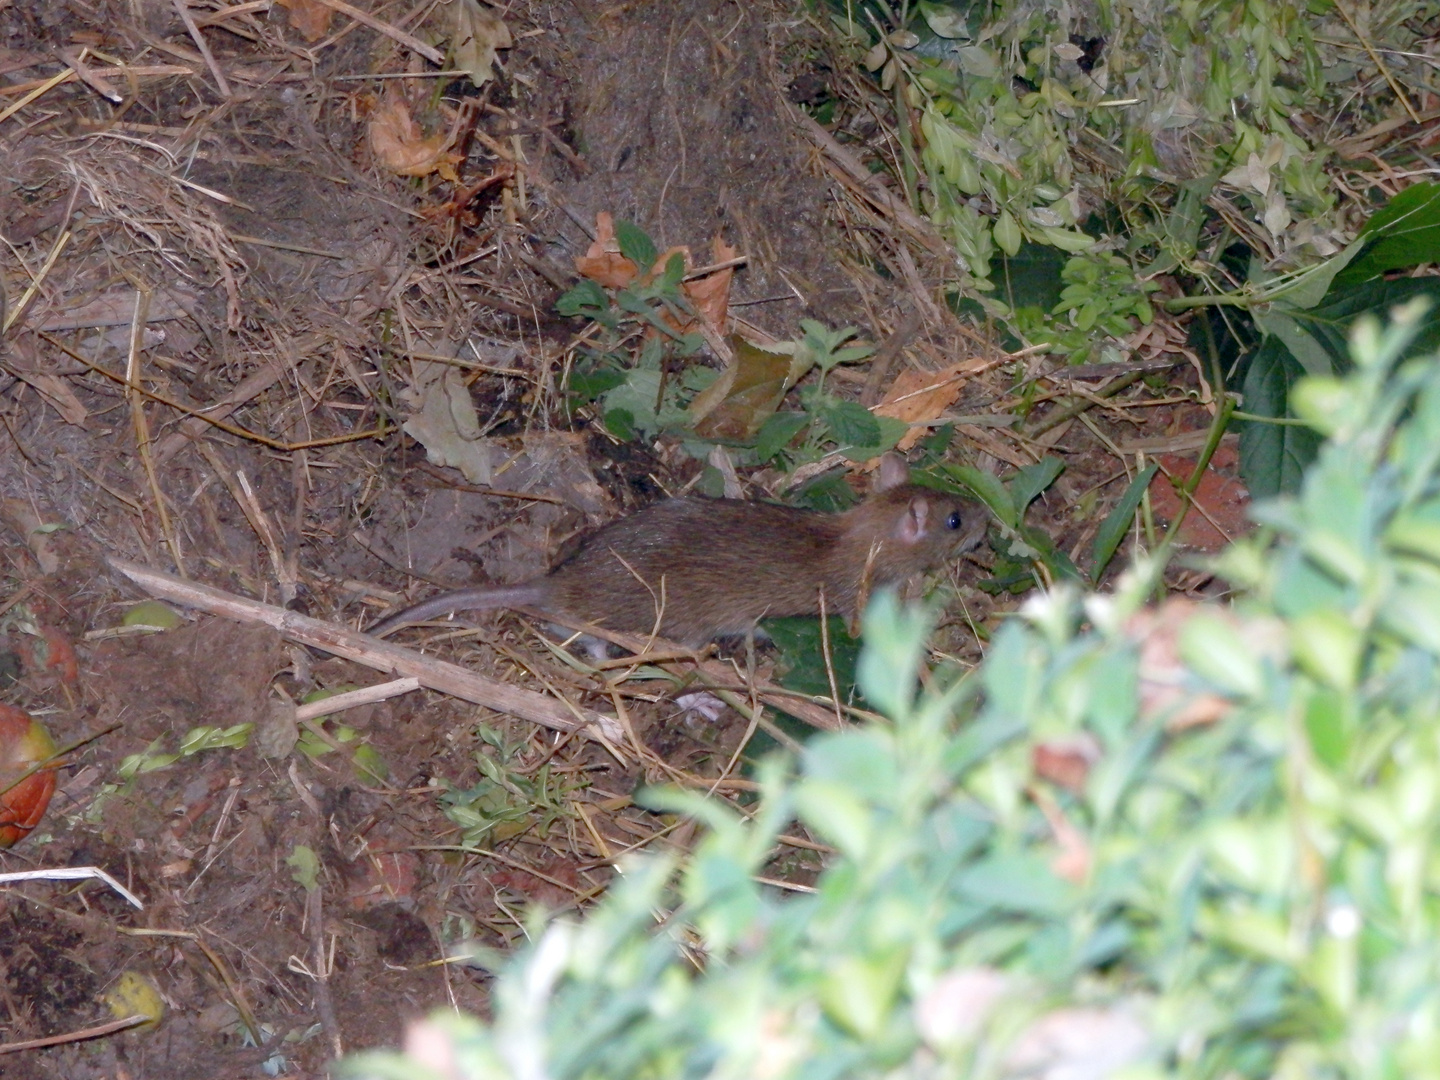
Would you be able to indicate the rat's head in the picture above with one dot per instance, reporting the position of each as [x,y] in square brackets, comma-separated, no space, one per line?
[911,528]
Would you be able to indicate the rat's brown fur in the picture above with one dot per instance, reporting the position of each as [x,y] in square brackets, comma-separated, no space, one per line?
[721,565]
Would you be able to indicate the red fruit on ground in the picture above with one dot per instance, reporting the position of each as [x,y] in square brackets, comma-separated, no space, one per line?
[23,745]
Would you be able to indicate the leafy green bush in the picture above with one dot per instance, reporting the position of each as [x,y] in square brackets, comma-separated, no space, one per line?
[1189,841]
[1073,154]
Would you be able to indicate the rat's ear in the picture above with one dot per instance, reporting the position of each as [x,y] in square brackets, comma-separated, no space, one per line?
[893,472]
[914,523]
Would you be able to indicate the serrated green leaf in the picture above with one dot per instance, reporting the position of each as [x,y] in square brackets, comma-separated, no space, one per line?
[585,298]
[778,431]
[636,245]
[851,424]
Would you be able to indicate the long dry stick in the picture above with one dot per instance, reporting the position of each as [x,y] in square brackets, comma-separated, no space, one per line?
[381,655]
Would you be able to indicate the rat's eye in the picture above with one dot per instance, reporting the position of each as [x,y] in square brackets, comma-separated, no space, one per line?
[953,521]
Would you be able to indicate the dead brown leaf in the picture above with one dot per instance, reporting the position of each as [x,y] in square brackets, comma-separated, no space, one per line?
[746,394]
[1074,859]
[402,147]
[1066,761]
[310,18]
[479,32]
[1162,673]
[25,519]
[711,294]
[603,263]
[919,396]
[57,393]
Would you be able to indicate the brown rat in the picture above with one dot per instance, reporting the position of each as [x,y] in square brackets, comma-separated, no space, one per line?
[721,565]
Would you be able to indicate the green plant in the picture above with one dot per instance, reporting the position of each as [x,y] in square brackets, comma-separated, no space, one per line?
[640,377]
[1143,139]
[825,420]
[1024,550]
[504,801]
[1100,295]
[1185,842]
[1304,320]
[635,394]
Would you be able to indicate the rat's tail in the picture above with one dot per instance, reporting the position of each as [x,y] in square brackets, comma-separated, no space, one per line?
[514,596]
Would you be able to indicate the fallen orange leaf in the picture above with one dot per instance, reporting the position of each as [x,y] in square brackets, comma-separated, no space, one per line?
[603,263]
[918,396]
[402,147]
[711,294]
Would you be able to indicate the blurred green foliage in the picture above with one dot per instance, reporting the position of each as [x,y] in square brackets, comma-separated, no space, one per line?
[1197,841]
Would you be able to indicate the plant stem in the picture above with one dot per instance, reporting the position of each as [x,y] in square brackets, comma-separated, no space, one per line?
[1076,407]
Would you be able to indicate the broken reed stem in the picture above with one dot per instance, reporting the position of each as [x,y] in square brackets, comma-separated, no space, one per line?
[1069,412]
[829,661]
[142,428]
[435,56]
[96,1032]
[221,83]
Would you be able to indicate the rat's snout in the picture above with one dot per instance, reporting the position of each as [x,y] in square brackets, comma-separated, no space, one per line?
[974,520]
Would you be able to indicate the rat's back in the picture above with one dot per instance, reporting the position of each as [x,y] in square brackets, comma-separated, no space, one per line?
[703,568]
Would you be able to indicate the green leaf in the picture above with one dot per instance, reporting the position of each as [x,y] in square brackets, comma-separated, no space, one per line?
[895,638]
[838,814]
[1117,522]
[1311,351]
[1273,457]
[863,763]
[154,613]
[672,276]
[802,655]
[1312,285]
[621,424]
[1413,612]
[1327,725]
[586,386]
[1328,647]
[1029,482]
[199,739]
[988,489]
[858,993]
[371,765]
[829,493]
[636,245]
[891,432]
[1058,563]
[1329,322]
[1031,277]
[1404,233]
[586,298]
[851,424]
[1017,882]
[305,866]
[1210,645]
